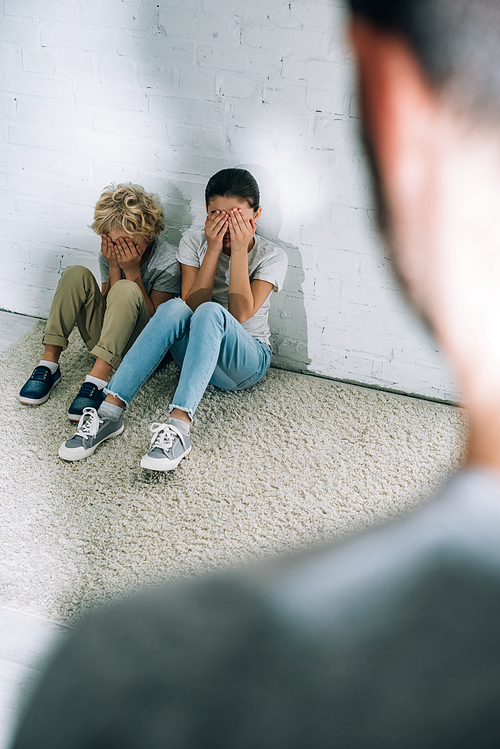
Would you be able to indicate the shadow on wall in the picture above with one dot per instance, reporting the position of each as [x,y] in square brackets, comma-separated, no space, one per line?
[178,214]
[287,316]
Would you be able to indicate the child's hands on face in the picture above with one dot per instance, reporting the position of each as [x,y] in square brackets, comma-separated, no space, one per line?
[216,226]
[128,254]
[108,251]
[241,230]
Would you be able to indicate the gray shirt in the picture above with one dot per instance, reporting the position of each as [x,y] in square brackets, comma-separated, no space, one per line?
[160,272]
[386,640]
[266,262]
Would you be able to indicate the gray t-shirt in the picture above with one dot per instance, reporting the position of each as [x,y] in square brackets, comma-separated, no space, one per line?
[388,639]
[160,272]
[266,262]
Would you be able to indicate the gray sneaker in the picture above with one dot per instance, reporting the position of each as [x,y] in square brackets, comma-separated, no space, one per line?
[92,430]
[168,447]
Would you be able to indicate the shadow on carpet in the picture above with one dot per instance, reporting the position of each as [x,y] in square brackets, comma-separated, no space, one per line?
[292,461]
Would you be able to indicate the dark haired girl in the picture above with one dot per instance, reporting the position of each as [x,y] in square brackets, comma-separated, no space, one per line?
[217,332]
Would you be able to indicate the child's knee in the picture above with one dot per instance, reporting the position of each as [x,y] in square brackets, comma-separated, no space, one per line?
[174,309]
[207,316]
[76,274]
[208,311]
[125,291]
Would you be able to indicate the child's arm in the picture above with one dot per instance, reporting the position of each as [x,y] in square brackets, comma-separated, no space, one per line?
[115,272]
[198,283]
[159,297]
[244,298]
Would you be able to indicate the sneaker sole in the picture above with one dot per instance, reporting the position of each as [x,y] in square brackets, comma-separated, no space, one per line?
[38,401]
[162,464]
[71,454]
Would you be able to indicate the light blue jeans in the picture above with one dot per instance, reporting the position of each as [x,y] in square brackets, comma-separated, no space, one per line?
[209,345]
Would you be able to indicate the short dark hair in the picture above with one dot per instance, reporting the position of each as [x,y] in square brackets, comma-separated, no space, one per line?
[456,41]
[234,183]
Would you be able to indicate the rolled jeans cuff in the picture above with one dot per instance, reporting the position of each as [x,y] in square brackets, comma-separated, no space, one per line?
[55,340]
[115,395]
[189,411]
[106,356]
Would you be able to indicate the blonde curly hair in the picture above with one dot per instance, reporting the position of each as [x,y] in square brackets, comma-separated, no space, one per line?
[128,208]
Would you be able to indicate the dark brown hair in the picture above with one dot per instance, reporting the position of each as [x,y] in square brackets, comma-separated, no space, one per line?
[234,183]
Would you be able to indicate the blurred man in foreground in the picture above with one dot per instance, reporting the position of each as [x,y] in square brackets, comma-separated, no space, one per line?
[390,639]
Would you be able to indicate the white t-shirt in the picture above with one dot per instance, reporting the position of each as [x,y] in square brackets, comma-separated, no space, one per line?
[266,262]
[160,272]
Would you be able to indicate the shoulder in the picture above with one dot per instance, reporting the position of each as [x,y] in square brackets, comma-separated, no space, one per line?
[194,237]
[161,243]
[192,246]
[163,246]
[268,262]
[164,254]
[267,250]
[267,254]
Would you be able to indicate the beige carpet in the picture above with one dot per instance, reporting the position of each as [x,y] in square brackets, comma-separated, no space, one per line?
[292,461]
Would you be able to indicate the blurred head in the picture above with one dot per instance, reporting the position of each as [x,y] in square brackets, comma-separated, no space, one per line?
[127,210]
[429,83]
[456,44]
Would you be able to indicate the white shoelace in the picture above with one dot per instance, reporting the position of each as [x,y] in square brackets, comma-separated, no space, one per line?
[164,436]
[88,426]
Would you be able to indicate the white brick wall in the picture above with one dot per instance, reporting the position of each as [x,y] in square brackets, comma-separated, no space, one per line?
[165,93]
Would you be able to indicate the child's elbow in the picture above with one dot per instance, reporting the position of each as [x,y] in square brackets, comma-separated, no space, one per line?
[242,315]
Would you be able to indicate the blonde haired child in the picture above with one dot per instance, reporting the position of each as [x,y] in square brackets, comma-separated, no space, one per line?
[139,271]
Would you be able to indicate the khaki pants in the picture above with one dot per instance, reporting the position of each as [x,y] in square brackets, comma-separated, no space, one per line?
[108,326]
